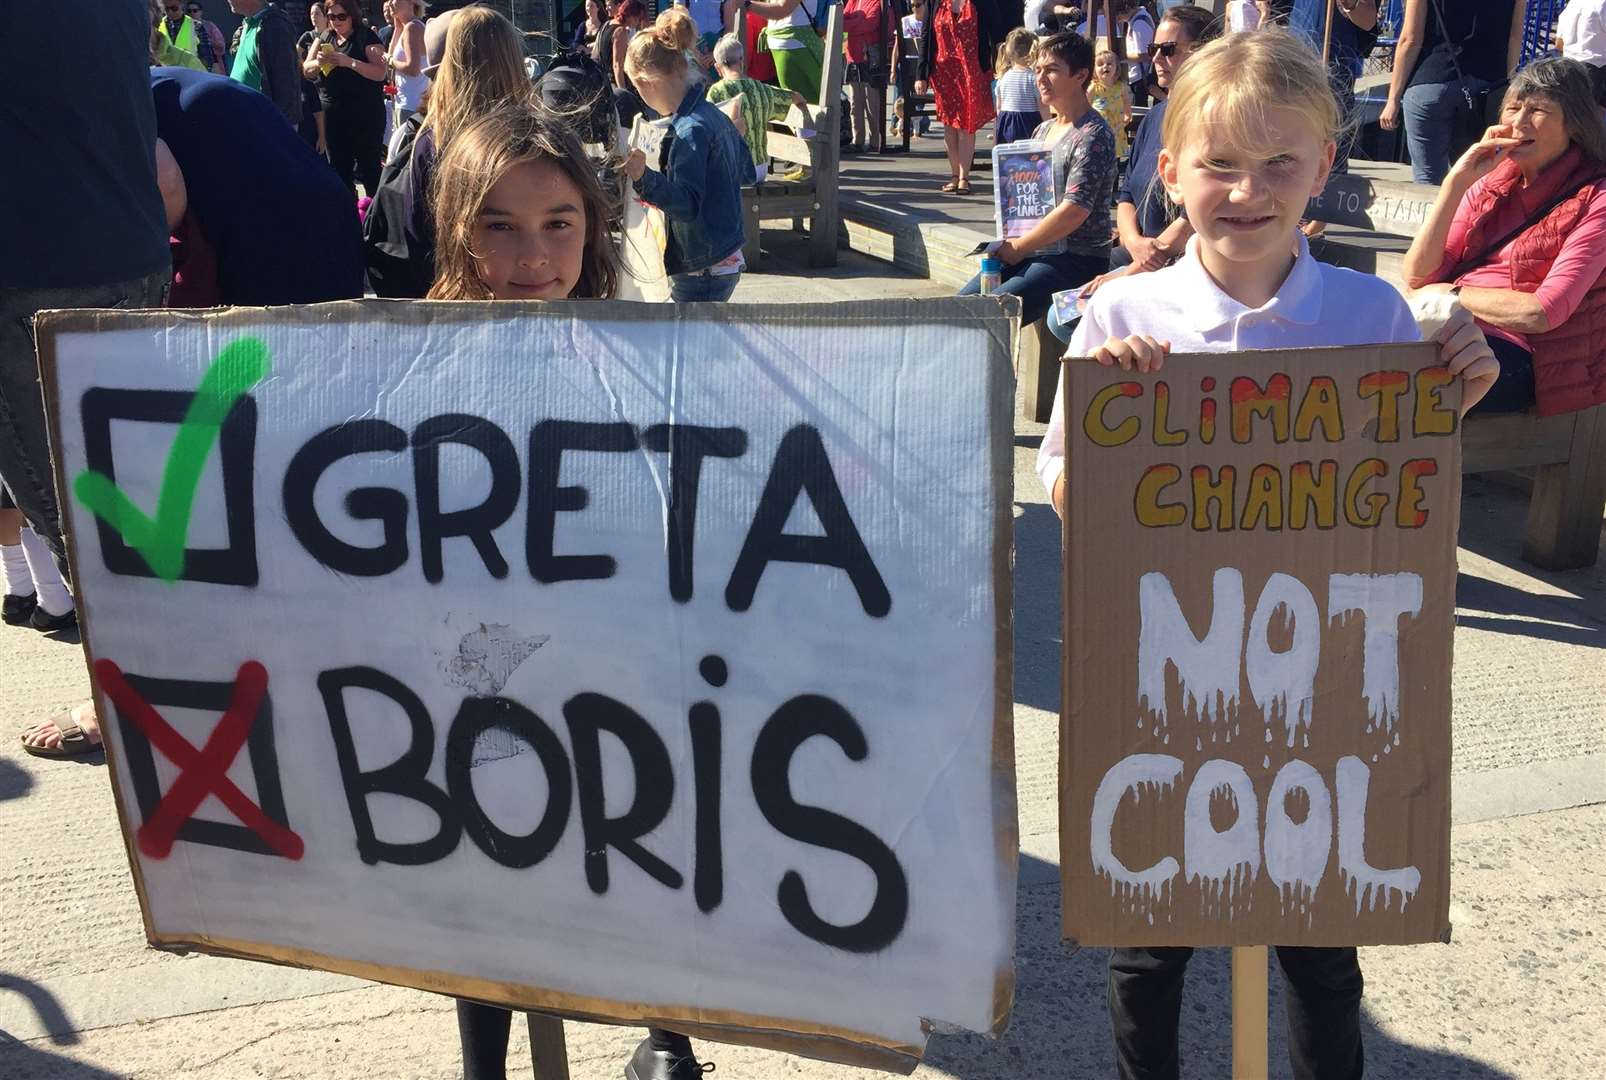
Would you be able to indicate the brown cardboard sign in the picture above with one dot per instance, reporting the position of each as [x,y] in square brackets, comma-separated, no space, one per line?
[1259,600]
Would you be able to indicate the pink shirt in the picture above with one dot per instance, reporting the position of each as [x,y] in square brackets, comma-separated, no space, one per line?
[1577,267]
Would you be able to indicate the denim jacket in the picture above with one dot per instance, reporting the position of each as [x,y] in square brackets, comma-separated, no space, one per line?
[700,189]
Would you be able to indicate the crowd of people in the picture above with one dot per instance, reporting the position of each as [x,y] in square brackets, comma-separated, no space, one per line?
[185,171]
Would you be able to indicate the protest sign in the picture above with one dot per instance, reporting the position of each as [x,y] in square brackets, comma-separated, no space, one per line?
[1023,191]
[629,662]
[1260,590]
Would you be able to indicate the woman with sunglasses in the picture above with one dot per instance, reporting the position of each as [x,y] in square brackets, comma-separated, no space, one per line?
[1147,237]
[349,66]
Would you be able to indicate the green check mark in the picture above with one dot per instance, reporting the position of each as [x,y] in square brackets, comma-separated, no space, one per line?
[161,542]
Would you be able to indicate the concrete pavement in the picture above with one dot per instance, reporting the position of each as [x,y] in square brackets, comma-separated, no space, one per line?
[1514,995]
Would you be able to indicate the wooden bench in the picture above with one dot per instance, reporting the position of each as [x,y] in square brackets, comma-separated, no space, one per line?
[815,196]
[1567,453]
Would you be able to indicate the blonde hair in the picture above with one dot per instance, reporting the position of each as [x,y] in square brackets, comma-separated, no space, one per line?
[482,67]
[482,154]
[1101,48]
[654,52]
[1019,49]
[1228,85]
[677,27]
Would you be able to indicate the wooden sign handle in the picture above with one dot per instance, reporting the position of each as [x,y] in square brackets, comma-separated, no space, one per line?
[1327,34]
[1249,1009]
[549,1055]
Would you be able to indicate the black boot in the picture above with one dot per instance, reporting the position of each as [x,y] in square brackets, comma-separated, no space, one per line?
[648,1063]
[46,623]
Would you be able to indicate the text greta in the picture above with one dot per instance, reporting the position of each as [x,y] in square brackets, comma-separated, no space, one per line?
[1298,494]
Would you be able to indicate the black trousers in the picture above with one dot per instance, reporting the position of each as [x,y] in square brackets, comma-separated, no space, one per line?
[1513,391]
[355,135]
[1324,1011]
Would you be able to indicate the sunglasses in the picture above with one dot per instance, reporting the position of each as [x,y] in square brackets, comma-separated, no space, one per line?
[338,16]
[1167,49]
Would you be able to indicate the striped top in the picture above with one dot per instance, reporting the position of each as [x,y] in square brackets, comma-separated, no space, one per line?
[1017,91]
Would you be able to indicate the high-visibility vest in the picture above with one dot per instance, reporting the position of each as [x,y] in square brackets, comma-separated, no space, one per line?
[186,34]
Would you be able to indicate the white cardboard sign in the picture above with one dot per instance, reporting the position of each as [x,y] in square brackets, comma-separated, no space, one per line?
[626,662]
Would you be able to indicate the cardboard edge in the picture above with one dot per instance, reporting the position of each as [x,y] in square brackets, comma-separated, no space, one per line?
[1001,404]
[48,325]
[824,1043]
[1066,562]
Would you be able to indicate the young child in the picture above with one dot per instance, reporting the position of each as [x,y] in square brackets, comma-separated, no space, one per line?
[1020,107]
[35,594]
[1249,136]
[757,102]
[910,28]
[699,190]
[520,213]
[1110,94]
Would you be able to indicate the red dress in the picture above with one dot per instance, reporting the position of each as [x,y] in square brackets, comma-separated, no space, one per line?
[963,92]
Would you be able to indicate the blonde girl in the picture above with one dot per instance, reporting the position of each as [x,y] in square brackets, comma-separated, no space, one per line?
[1110,94]
[1249,136]
[678,30]
[699,189]
[1020,107]
[520,213]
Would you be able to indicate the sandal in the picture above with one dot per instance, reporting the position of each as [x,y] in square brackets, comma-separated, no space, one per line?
[951,187]
[962,188]
[74,741]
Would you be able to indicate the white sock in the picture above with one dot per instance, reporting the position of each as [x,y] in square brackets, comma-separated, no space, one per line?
[54,599]
[14,571]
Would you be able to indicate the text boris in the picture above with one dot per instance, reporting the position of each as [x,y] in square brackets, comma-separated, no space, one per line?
[576,787]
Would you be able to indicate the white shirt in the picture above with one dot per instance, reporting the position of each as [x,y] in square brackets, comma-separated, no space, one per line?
[1582,27]
[1317,305]
[1242,15]
[1033,20]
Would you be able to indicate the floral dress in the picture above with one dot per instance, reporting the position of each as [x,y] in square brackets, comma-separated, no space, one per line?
[962,91]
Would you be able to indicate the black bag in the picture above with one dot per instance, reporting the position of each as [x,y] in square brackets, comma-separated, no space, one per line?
[394,270]
[1477,110]
[577,86]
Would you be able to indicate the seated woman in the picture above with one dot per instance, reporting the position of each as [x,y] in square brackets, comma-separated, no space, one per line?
[1518,234]
[1083,149]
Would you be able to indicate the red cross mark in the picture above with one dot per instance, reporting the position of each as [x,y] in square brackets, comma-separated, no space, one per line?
[202,772]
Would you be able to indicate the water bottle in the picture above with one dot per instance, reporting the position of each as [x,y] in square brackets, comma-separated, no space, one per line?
[992,273]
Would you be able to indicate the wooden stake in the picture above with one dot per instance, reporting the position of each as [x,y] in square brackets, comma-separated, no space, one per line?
[1327,35]
[549,1055]
[1249,1009]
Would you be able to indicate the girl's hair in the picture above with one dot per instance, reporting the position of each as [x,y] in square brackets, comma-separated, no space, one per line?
[1102,48]
[631,9]
[1019,49]
[1071,49]
[484,152]
[482,67]
[1565,82]
[1227,86]
[1197,25]
[655,52]
[678,29]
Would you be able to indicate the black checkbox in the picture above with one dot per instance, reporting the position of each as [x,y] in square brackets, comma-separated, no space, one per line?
[207,697]
[235,564]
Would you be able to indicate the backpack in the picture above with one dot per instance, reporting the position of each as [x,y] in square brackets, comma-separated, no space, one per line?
[394,271]
[578,87]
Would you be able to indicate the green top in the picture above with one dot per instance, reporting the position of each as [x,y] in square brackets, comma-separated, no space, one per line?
[761,103]
[247,65]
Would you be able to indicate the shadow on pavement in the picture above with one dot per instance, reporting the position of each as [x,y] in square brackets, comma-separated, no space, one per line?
[1038,632]
[1554,618]
[23,1061]
[1060,1025]
[15,782]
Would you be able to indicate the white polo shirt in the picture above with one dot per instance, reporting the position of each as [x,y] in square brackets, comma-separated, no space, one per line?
[1317,305]
[1582,27]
